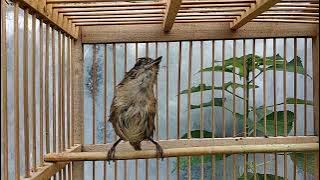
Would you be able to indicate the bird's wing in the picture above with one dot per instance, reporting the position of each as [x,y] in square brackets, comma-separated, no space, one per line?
[151,114]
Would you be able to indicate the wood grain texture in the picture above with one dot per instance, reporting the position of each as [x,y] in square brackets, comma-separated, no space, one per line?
[255,10]
[190,31]
[77,103]
[190,151]
[49,169]
[170,14]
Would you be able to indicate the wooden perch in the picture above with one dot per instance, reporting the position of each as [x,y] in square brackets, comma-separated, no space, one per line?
[190,151]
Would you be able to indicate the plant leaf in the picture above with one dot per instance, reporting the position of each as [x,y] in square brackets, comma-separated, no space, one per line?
[298,158]
[217,102]
[299,101]
[280,123]
[250,176]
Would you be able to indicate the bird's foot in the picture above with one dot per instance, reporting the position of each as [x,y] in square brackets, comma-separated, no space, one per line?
[159,152]
[111,154]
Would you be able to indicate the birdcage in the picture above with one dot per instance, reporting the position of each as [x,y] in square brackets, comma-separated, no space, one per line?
[237,89]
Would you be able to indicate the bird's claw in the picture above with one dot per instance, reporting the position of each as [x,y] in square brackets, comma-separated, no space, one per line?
[111,154]
[160,152]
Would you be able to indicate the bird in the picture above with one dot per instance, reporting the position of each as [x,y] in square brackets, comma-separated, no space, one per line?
[134,106]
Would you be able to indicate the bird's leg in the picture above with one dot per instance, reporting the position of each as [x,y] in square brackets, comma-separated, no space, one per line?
[159,148]
[111,152]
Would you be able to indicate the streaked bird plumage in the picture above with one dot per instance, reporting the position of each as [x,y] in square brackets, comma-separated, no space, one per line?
[134,105]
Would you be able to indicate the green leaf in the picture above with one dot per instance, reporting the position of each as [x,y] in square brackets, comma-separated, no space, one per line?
[200,87]
[298,158]
[299,101]
[196,134]
[217,102]
[290,67]
[280,123]
[250,176]
[204,87]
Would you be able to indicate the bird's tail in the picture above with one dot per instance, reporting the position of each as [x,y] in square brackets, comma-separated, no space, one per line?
[136,145]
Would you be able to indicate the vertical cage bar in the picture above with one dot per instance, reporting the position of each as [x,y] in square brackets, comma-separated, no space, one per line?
[26,95]
[201,105]
[115,92]
[62,95]
[16,92]
[157,119]
[254,103]
[4,84]
[136,161]
[41,93]
[213,162]
[295,103]
[167,104]
[178,105]
[71,96]
[264,104]
[33,107]
[275,102]
[223,108]
[125,70]
[68,94]
[54,104]
[305,104]
[189,102]
[245,103]
[234,105]
[59,95]
[94,86]
[315,75]
[63,109]
[285,102]
[105,107]
[147,161]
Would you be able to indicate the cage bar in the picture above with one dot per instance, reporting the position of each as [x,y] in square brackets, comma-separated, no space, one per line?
[16,94]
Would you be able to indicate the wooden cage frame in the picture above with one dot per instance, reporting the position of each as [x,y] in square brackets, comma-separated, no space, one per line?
[97,21]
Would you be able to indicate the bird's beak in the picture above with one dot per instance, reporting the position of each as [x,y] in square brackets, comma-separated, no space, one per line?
[154,62]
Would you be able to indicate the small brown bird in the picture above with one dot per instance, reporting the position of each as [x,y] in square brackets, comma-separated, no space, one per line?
[134,106]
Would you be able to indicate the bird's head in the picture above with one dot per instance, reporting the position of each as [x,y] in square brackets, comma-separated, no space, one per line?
[145,70]
[146,63]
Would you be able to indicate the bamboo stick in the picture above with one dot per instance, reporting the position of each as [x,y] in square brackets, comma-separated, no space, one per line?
[97,9]
[167,104]
[136,161]
[264,103]
[295,104]
[157,121]
[4,85]
[305,104]
[26,95]
[223,108]
[54,105]
[245,98]
[212,110]
[190,151]
[106,4]
[125,70]
[68,94]
[33,107]
[105,107]
[147,161]
[41,93]
[59,95]
[178,105]
[71,94]
[275,102]
[62,95]
[201,105]
[189,103]
[16,93]
[285,101]
[234,104]
[94,84]
[115,92]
